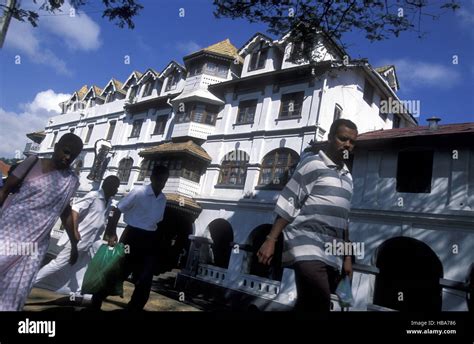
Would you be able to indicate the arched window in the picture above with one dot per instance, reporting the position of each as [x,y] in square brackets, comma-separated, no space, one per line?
[124,169]
[234,168]
[277,167]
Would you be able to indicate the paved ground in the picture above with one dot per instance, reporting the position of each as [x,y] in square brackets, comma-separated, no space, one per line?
[45,300]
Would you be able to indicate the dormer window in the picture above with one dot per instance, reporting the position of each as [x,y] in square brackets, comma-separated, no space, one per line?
[258,58]
[195,69]
[133,92]
[173,80]
[148,88]
[110,97]
[216,69]
[297,49]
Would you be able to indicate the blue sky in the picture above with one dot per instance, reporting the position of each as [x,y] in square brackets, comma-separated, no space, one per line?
[64,53]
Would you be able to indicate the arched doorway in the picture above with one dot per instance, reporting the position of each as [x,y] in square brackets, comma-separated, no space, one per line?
[409,276]
[256,239]
[222,237]
[173,242]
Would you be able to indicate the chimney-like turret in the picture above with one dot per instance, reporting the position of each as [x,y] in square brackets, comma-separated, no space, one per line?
[433,122]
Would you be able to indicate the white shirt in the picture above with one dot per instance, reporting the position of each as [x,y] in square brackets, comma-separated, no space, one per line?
[93,212]
[142,209]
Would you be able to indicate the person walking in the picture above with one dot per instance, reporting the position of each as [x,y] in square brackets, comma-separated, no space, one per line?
[28,215]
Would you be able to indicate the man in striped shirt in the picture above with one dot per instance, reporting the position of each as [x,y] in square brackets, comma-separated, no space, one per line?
[313,211]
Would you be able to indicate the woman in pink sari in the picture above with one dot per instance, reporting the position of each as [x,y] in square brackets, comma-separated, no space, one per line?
[28,215]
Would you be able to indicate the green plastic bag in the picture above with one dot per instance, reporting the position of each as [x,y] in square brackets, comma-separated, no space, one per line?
[105,271]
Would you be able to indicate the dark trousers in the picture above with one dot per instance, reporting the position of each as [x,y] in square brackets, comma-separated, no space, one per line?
[140,262]
[315,281]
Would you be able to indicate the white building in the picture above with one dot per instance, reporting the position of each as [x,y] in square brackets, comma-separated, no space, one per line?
[230,125]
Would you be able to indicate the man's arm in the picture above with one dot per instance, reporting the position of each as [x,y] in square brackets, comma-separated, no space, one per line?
[267,250]
[111,230]
[69,219]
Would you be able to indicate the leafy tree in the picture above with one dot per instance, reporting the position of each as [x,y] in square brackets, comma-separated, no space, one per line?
[120,11]
[306,19]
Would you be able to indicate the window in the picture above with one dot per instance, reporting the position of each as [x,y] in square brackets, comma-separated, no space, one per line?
[89,133]
[258,58]
[382,109]
[160,125]
[133,92]
[173,80]
[291,104]
[124,169]
[337,112]
[110,133]
[185,168]
[246,111]
[195,69]
[277,167]
[297,49]
[216,69]
[53,141]
[414,171]
[396,121]
[92,102]
[234,168]
[148,88]
[200,113]
[368,92]
[136,128]
[146,168]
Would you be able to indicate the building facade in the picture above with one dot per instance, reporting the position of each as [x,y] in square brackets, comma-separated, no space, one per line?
[231,125]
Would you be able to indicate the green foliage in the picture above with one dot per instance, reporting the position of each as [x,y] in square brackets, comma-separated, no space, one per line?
[119,11]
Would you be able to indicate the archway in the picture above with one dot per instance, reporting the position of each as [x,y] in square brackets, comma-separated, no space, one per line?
[409,276]
[222,237]
[256,239]
[173,242]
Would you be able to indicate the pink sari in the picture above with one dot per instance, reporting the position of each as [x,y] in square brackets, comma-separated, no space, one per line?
[25,225]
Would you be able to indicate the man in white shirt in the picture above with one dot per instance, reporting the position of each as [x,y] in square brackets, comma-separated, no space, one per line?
[91,213]
[143,209]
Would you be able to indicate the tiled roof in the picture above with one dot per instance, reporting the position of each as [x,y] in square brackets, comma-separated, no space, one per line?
[97,90]
[82,92]
[138,75]
[117,84]
[36,136]
[178,147]
[223,48]
[383,69]
[4,168]
[447,129]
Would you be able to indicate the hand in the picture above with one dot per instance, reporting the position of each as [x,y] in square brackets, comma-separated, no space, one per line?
[77,235]
[347,266]
[74,255]
[266,251]
[111,239]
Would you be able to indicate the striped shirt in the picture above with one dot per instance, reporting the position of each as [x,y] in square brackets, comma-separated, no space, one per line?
[316,202]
